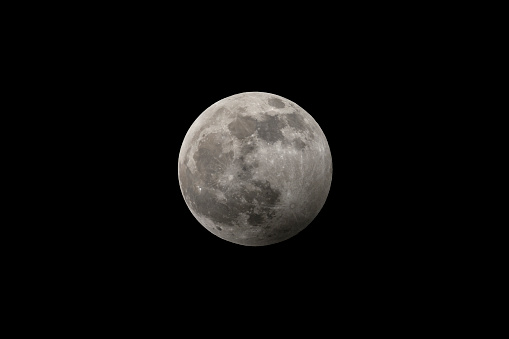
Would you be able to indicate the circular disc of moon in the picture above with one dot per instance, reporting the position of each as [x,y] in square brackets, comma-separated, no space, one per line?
[255,169]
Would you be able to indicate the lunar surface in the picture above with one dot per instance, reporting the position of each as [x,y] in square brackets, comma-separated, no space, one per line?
[255,169]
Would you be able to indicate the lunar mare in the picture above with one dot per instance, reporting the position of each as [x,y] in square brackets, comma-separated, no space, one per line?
[255,169]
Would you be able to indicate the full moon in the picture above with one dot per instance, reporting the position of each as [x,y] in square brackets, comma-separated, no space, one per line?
[255,169]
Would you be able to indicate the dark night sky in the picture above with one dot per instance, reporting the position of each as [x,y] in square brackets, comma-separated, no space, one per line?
[130,86]
[144,96]
[350,223]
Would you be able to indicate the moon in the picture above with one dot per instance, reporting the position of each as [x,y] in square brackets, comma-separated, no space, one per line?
[255,169]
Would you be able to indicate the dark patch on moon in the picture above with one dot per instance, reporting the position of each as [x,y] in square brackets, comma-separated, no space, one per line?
[244,170]
[220,114]
[270,128]
[242,126]
[297,122]
[299,144]
[255,219]
[277,103]
[210,160]
[246,149]
[220,111]
[265,199]
[207,204]
[266,195]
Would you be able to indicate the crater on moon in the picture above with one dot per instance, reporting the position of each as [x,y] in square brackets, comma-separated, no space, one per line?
[277,103]
[253,175]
